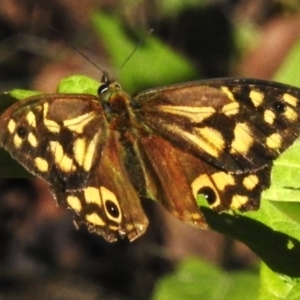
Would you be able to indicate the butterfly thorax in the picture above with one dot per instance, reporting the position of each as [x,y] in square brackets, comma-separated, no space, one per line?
[116,106]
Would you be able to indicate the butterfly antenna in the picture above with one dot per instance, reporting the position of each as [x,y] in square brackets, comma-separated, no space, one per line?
[76,49]
[134,50]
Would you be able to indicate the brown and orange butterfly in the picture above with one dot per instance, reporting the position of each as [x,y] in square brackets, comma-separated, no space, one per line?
[101,155]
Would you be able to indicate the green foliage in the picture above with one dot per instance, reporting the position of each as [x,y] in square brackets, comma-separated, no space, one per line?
[153,64]
[78,84]
[276,286]
[22,94]
[196,279]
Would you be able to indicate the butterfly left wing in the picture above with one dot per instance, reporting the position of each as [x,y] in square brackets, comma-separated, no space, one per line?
[42,131]
[65,139]
[108,205]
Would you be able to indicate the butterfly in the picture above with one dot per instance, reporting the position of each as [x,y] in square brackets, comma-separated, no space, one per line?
[102,155]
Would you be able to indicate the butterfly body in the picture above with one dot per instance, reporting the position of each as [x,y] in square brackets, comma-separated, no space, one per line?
[101,155]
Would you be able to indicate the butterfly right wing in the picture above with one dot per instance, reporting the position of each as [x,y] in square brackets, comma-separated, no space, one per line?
[235,124]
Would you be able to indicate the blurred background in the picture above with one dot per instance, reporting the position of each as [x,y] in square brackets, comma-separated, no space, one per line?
[42,255]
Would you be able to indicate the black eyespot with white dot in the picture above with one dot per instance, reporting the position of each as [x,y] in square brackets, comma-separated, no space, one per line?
[279,107]
[209,194]
[112,209]
[21,131]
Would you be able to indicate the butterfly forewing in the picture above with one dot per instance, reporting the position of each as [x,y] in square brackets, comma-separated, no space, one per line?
[236,125]
[65,140]
[43,133]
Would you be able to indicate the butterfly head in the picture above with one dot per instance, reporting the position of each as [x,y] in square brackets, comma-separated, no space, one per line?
[114,101]
[108,88]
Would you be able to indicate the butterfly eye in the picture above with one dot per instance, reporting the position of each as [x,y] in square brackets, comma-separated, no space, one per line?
[112,208]
[209,194]
[102,88]
[21,132]
[279,107]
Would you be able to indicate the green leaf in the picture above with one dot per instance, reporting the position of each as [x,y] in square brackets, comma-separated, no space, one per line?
[285,187]
[271,234]
[286,170]
[78,84]
[22,94]
[294,294]
[196,279]
[153,63]
[276,286]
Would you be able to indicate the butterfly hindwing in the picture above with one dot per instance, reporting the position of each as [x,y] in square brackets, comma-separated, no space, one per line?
[185,176]
[172,186]
[109,205]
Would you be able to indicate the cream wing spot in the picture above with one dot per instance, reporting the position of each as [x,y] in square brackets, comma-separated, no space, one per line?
[238,201]
[195,139]
[256,97]
[61,159]
[17,141]
[222,180]
[78,124]
[243,139]
[92,195]
[290,114]
[74,203]
[90,153]
[204,137]
[41,164]
[84,154]
[31,119]
[201,143]
[231,109]
[79,150]
[195,114]
[274,141]
[288,98]
[11,126]
[51,125]
[94,219]
[228,93]
[250,182]
[32,140]
[269,116]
